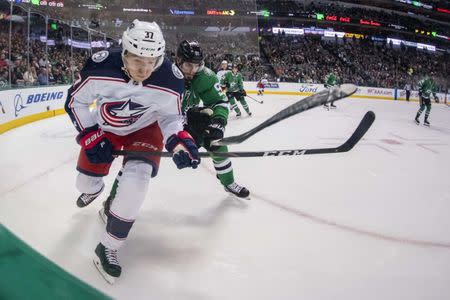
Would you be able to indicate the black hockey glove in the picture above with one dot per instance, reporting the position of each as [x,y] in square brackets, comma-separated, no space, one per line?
[243,93]
[213,132]
[199,116]
[96,145]
[185,151]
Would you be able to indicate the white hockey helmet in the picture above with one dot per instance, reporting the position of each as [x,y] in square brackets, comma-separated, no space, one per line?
[224,62]
[144,39]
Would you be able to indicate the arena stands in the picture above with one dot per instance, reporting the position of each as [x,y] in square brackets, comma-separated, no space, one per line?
[370,59]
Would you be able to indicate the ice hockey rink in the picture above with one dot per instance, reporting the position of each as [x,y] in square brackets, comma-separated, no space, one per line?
[372,223]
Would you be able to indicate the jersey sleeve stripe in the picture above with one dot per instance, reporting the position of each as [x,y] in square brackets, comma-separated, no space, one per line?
[74,114]
[95,78]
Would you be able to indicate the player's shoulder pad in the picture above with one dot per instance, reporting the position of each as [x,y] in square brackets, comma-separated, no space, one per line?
[209,75]
[171,70]
[169,76]
[104,59]
[177,72]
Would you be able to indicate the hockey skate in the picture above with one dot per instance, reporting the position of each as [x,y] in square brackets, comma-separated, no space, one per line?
[326,106]
[103,213]
[107,264]
[332,106]
[237,190]
[86,199]
[238,115]
[417,121]
[249,113]
[426,123]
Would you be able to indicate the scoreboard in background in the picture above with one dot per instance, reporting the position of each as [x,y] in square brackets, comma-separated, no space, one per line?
[50,3]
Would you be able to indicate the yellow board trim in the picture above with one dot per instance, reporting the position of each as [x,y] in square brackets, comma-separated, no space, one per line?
[29,119]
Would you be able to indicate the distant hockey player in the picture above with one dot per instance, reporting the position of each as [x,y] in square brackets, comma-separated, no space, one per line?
[427,87]
[235,90]
[408,88]
[262,84]
[138,94]
[223,70]
[330,80]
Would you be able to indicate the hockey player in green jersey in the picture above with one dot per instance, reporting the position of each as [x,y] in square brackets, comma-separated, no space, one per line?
[427,87]
[330,80]
[206,108]
[235,90]
[205,123]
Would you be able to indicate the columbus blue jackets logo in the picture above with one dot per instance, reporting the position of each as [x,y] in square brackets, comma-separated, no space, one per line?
[100,56]
[122,113]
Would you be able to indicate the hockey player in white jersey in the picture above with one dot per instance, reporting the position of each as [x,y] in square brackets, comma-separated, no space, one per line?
[262,84]
[138,95]
[223,70]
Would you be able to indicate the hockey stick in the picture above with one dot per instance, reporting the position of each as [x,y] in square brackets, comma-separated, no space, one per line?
[256,100]
[320,98]
[362,128]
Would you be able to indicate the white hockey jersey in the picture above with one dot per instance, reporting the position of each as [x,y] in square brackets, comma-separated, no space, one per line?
[122,105]
[264,81]
[221,73]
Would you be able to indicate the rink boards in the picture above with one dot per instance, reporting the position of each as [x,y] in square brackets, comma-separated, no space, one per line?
[26,105]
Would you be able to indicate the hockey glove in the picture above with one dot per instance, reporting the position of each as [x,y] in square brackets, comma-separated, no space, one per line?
[96,145]
[213,132]
[243,93]
[199,116]
[185,151]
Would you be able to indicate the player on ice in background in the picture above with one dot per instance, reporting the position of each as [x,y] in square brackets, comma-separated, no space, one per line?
[262,84]
[223,70]
[138,93]
[427,87]
[407,89]
[233,82]
[330,80]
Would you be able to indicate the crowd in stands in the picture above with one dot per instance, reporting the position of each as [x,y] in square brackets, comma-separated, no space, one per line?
[285,58]
[57,69]
[361,61]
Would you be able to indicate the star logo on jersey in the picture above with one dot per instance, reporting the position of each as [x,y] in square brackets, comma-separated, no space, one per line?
[122,113]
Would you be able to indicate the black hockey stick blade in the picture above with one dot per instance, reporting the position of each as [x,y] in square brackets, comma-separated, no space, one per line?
[360,131]
[256,100]
[320,98]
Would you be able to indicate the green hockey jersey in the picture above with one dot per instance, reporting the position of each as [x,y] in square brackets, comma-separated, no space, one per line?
[427,87]
[205,88]
[232,81]
[330,80]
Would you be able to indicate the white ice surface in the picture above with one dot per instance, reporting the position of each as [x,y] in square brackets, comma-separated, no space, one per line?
[373,223]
